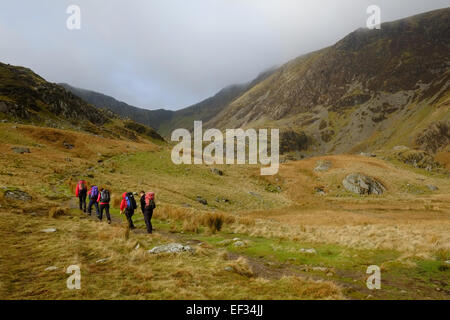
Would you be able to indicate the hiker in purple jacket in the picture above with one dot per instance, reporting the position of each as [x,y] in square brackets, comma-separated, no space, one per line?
[93,196]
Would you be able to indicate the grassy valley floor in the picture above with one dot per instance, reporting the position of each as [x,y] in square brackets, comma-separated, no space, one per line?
[267,226]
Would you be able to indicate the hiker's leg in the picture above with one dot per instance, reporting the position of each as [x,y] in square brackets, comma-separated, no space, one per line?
[97,209]
[130,222]
[80,200]
[100,216]
[150,220]
[84,196]
[108,216]
[91,202]
[147,221]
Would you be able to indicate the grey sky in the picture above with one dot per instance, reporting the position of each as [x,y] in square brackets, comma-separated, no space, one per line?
[173,53]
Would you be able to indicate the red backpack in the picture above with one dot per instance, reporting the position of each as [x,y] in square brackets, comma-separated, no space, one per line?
[149,199]
[82,185]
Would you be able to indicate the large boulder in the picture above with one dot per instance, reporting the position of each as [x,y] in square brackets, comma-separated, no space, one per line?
[362,184]
[171,248]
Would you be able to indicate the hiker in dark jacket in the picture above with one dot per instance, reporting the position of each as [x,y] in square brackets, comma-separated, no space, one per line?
[147,207]
[104,198]
[126,207]
[81,194]
[93,196]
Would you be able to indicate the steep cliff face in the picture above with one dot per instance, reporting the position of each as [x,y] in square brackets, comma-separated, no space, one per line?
[357,93]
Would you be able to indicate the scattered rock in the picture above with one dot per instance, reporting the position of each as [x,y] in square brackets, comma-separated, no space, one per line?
[49,230]
[310,251]
[202,200]
[330,274]
[137,246]
[320,191]
[68,146]
[225,242]
[369,155]
[217,171]
[102,260]
[257,195]
[236,239]
[21,150]
[322,165]
[320,269]
[361,184]
[229,269]
[18,195]
[239,244]
[171,248]
[400,148]
[432,188]
[53,268]
[225,200]
[447,262]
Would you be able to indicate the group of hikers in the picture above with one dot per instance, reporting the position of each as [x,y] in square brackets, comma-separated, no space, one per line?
[101,197]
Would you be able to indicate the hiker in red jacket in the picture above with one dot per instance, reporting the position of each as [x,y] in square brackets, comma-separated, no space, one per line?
[81,193]
[127,206]
[104,198]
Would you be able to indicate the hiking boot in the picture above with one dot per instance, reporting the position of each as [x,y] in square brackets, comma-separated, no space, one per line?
[109,221]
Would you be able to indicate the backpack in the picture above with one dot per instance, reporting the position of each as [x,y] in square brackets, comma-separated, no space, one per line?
[105,197]
[82,185]
[150,200]
[131,202]
[94,192]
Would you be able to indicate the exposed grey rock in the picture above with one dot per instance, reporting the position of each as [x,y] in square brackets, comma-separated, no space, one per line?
[361,184]
[322,165]
[202,200]
[52,268]
[239,244]
[18,195]
[400,148]
[320,191]
[171,248]
[102,260]
[21,150]
[68,146]
[310,251]
[49,230]
[257,195]
[432,188]
[217,171]
[229,269]
[220,199]
[369,155]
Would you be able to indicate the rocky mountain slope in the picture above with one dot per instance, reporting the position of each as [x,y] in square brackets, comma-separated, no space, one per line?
[27,98]
[165,121]
[372,89]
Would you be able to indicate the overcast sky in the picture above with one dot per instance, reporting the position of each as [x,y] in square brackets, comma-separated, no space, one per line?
[173,53]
